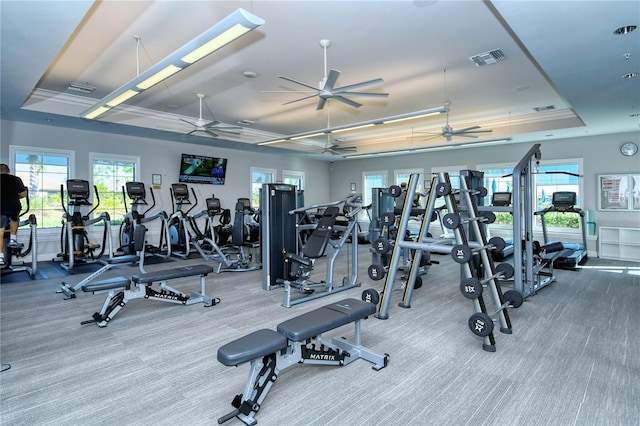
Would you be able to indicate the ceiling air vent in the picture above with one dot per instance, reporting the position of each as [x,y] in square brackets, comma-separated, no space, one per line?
[544,108]
[488,58]
[82,88]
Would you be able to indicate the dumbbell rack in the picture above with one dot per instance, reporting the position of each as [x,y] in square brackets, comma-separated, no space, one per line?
[441,186]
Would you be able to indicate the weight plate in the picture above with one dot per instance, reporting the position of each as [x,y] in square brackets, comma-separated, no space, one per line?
[381,245]
[481,324]
[481,191]
[471,288]
[418,283]
[376,272]
[506,270]
[395,191]
[489,217]
[443,188]
[371,296]
[451,220]
[461,253]
[498,244]
[388,219]
[513,297]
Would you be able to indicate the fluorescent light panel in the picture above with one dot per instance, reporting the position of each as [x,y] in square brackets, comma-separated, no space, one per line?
[230,28]
[429,149]
[344,128]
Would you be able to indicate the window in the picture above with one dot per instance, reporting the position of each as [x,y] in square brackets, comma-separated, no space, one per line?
[404,175]
[370,180]
[110,173]
[552,177]
[496,180]
[43,172]
[548,179]
[293,177]
[454,174]
[258,178]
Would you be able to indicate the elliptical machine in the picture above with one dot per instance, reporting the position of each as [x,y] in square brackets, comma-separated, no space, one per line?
[76,247]
[179,235]
[19,251]
[136,191]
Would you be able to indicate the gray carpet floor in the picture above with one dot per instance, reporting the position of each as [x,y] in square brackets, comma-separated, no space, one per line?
[573,357]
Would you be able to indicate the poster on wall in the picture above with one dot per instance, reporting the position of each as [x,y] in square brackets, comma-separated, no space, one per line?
[619,192]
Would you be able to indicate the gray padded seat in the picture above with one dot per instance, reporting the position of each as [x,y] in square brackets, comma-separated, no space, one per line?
[252,346]
[325,318]
[108,284]
[170,274]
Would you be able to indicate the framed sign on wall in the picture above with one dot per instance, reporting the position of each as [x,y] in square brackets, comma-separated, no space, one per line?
[619,192]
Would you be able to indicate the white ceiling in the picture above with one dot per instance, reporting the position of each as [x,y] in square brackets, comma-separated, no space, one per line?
[558,53]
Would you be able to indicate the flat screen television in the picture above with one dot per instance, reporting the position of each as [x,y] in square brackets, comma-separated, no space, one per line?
[202,169]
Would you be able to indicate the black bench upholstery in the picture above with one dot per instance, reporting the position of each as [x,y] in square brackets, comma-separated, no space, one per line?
[297,341]
[108,284]
[325,318]
[171,274]
[254,345]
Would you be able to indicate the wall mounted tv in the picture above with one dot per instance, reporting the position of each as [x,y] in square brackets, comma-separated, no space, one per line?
[202,169]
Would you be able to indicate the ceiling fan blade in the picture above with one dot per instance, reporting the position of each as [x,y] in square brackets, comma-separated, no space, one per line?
[321,103]
[188,122]
[209,132]
[192,132]
[300,99]
[358,85]
[466,129]
[347,101]
[297,82]
[231,130]
[367,94]
[331,80]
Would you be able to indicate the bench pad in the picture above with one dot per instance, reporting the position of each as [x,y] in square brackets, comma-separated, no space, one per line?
[170,274]
[125,258]
[325,318]
[252,346]
[108,284]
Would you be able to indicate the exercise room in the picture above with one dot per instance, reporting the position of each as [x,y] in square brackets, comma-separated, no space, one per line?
[320,212]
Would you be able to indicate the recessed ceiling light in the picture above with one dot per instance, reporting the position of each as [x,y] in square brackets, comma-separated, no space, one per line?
[630,75]
[625,30]
[250,74]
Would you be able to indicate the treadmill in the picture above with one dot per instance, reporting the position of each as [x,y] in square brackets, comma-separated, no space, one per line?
[573,254]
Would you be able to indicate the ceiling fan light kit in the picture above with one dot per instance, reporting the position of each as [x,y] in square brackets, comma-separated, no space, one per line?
[228,29]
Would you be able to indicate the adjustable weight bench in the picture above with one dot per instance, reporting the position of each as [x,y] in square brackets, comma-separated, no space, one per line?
[297,341]
[120,292]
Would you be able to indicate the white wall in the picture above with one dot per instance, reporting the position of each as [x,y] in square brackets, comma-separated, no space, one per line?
[600,155]
[163,157]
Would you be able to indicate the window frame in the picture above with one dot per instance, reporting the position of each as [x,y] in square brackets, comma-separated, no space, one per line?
[15,150]
[99,156]
[255,198]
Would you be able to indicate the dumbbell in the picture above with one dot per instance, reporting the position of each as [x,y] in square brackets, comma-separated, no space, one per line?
[452,220]
[377,272]
[481,323]
[471,288]
[462,253]
[395,191]
[444,188]
[371,296]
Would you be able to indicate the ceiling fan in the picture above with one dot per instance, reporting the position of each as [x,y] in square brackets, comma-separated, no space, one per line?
[449,133]
[210,127]
[326,88]
[334,147]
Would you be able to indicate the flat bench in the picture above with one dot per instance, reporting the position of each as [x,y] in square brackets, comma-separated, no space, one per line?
[273,351]
[120,292]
